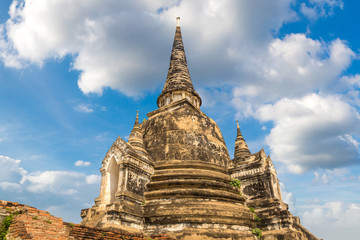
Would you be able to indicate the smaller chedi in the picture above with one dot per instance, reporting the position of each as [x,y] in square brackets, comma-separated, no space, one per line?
[174,175]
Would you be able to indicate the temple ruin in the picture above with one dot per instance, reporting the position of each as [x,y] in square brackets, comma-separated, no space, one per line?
[173,176]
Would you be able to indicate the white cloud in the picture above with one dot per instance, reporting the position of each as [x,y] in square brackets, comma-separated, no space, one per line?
[10,186]
[111,40]
[309,12]
[44,189]
[85,108]
[93,179]
[312,132]
[10,169]
[349,139]
[352,80]
[330,175]
[333,220]
[315,9]
[292,67]
[350,85]
[325,178]
[81,163]
[317,176]
[56,182]
[233,40]
[15,178]
[288,198]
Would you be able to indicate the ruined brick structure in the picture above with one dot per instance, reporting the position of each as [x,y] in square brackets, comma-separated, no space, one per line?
[30,223]
[173,175]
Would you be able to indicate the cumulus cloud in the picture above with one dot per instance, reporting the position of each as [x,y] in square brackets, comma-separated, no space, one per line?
[10,170]
[292,67]
[81,163]
[333,220]
[111,40]
[312,132]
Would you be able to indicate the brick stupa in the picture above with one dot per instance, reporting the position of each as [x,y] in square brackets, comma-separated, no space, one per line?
[173,175]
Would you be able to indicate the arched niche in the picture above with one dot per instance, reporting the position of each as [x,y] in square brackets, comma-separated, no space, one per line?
[113,179]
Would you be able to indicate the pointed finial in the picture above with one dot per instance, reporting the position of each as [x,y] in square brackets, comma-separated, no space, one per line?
[178,21]
[238,128]
[241,149]
[137,118]
[136,137]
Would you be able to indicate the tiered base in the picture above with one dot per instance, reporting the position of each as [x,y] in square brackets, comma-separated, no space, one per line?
[186,198]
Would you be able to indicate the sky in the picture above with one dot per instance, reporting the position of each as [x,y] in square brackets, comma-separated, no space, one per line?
[73,74]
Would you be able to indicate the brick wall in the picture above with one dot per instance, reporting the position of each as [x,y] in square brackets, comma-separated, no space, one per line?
[31,223]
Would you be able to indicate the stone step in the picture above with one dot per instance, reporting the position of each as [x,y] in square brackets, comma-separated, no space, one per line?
[194,193]
[178,203]
[192,183]
[184,173]
[192,164]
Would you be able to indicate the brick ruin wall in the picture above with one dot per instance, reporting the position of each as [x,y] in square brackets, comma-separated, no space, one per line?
[31,223]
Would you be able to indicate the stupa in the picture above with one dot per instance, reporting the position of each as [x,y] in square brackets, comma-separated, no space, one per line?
[174,175]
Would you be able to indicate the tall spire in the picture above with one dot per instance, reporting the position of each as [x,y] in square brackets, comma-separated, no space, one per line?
[178,74]
[178,77]
[241,149]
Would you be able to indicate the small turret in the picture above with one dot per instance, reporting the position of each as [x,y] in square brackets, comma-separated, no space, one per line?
[136,137]
[241,149]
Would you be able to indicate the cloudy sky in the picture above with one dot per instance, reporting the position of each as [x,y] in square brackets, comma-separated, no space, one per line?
[73,74]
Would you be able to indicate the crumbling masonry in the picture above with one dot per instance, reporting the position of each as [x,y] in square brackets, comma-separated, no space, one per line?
[173,175]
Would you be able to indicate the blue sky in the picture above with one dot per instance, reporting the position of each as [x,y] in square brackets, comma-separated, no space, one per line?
[73,74]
